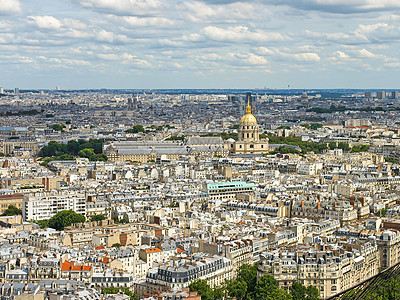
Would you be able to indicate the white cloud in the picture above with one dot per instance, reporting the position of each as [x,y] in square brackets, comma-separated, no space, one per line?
[301,57]
[200,12]
[125,7]
[340,55]
[147,22]
[109,56]
[342,6]
[9,7]
[240,33]
[45,22]
[109,37]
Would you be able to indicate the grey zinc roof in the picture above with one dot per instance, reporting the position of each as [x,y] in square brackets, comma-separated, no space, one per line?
[204,140]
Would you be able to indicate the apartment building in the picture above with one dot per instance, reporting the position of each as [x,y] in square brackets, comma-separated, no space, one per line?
[40,206]
[330,270]
[225,191]
[180,273]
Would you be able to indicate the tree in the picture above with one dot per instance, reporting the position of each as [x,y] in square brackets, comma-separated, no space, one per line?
[359,148]
[243,287]
[116,245]
[202,288]
[238,289]
[285,150]
[265,286]
[88,153]
[136,129]
[298,291]
[344,146]
[58,127]
[279,294]
[332,145]
[12,211]
[315,126]
[64,219]
[312,293]
[98,218]
[73,147]
[219,293]
[248,273]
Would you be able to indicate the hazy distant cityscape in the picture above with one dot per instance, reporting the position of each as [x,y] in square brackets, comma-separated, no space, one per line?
[199,150]
[198,194]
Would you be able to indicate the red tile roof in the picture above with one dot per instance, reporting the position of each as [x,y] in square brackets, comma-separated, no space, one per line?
[70,267]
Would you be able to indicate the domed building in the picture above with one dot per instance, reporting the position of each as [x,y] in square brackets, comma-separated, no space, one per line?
[248,135]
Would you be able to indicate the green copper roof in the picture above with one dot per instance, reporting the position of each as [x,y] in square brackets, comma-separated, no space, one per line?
[230,185]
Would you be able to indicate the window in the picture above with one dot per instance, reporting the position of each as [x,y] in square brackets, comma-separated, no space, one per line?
[251,146]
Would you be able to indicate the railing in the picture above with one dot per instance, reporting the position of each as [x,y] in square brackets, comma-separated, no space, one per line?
[383,286]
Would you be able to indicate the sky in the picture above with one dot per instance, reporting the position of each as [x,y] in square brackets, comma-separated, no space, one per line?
[150,44]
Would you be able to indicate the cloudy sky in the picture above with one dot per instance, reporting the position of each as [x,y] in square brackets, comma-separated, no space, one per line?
[79,44]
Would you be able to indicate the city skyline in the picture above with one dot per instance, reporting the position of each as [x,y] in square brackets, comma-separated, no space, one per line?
[158,44]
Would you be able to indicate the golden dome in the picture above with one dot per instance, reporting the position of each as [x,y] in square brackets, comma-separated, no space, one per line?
[248,118]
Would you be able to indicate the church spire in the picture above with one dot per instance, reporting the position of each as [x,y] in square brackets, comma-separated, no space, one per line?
[248,107]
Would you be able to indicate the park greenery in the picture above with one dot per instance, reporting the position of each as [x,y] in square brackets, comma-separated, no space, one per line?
[283,127]
[158,128]
[176,138]
[136,129]
[311,146]
[313,126]
[61,220]
[31,112]
[246,287]
[391,160]
[12,211]
[115,290]
[341,108]
[58,127]
[91,149]
[296,141]
[97,218]
[223,135]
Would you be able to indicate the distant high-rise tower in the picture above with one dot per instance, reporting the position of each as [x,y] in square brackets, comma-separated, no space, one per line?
[133,103]
[1,90]
[368,94]
[394,95]
[16,91]
[252,100]
[381,94]
[238,101]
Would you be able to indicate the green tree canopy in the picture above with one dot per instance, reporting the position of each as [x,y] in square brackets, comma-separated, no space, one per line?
[312,293]
[12,211]
[58,127]
[279,294]
[98,218]
[300,292]
[315,126]
[243,287]
[65,218]
[344,146]
[202,288]
[136,129]
[265,286]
